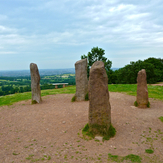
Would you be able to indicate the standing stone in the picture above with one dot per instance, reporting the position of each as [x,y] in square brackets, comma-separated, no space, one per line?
[142,90]
[99,105]
[35,84]
[81,79]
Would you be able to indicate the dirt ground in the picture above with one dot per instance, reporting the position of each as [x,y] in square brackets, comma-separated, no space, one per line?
[160,84]
[51,131]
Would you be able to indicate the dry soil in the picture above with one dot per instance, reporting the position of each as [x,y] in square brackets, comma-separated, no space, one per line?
[51,131]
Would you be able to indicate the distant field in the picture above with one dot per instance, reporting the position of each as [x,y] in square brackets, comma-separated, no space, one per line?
[61,76]
[11,85]
[155,92]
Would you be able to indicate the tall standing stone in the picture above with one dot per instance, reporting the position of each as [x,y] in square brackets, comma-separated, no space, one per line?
[99,105]
[142,90]
[35,83]
[81,79]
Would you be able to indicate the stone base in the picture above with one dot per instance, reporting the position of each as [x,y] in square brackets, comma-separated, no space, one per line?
[97,130]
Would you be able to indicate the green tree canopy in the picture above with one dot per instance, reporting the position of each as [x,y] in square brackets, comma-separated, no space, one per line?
[97,54]
[128,74]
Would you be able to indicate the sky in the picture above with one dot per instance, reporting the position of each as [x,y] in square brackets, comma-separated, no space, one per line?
[54,34]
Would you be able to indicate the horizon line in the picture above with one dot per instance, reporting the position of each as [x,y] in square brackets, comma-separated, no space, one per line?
[48,69]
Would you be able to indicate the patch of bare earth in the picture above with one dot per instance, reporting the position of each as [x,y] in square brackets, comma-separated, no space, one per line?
[160,84]
[51,131]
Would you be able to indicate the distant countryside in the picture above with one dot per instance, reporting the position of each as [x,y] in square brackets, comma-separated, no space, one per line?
[20,84]
[12,82]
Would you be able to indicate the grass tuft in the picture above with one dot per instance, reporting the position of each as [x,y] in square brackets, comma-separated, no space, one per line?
[136,103]
[87,97]
[86,131]
[73,99]
[86,128]
[15,153]
[34,102]
[99,130]
[161,118]
[150,151]
[111,133]
[132,158]
[148,105]
[113,157]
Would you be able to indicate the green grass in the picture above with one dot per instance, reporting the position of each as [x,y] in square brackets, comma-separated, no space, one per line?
[73,99]
[161,118]
[34,102]
[136,103]
[99,130]
[130,89]
[150,151]
[10,99]
[87,97]
[131,157]
[113,157]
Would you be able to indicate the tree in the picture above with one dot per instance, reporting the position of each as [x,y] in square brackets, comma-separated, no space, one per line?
[158,67]
[128,74]
[97,54]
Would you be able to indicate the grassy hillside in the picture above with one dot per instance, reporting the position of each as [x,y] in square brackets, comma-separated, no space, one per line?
[155,92]
[10,99]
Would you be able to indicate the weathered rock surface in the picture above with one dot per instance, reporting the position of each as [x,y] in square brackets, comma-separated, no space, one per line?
[81,79]
[142,90]
[35,83]
[99,105]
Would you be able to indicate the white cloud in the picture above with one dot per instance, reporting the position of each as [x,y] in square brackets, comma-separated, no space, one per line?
[5,30]
[47,26]
[122,7]
[137,16]
[12,39]
[7,52]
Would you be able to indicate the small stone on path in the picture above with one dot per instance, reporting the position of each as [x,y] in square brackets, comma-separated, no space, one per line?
[134,107]
[99,138]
